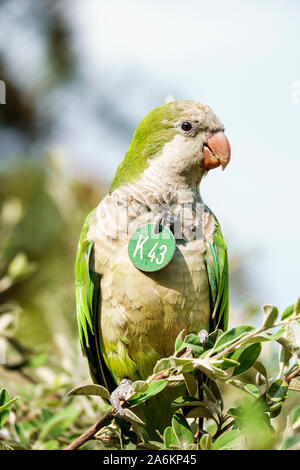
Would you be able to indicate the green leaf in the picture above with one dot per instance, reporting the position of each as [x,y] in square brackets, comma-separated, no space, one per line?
[277,394]
[132,417]
[270,315]
[187,401]
[173,363]
[8,404]
[5,404]
[288,312]
[59,422]
[179,341]
[276,410]
[291,346]
[51,445]
[46,414]
[14,446]
[262,375]
[38,361]
[277,390]
[284,354]
[209,394]
[246,356]
[21,435]
[216,391]
[226,440]
[213,337]
[175,380]
[200,412]
[4,398]
[248,388]
[92,389]
[154,445]
[295,416]
[170,439]
[231,336]
[191,384]
[278,334]
[182,430]
[153,389]
[235,412]
[206,442]
[138,386]
[194,343]
[210,399]
[220,374]
[291,442]
[261,369]
[20,268]
[225,363]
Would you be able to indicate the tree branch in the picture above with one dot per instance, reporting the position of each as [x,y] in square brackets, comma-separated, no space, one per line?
[291,376]
[222,430]
[250,335]
[89,434]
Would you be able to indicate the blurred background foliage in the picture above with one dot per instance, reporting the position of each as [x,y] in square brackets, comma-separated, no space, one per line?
[43,202]
[42,211]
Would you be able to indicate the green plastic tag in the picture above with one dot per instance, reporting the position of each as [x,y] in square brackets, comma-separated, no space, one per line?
[150,251]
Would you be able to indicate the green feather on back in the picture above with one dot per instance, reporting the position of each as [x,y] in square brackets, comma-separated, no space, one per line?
[217,270]
[88,299]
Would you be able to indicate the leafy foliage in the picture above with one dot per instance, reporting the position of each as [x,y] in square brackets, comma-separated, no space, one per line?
[200,420]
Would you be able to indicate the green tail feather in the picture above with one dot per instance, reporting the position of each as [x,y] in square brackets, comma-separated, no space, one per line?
[158,412]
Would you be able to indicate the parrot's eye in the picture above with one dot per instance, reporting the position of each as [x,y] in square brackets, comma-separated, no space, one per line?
[186,126]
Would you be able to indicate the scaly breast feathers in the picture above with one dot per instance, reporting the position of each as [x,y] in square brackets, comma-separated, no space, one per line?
[142,313]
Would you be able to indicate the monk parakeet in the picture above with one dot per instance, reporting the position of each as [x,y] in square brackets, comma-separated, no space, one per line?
[129,318]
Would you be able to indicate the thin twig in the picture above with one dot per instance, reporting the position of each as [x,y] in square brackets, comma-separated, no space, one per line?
[291,376]
[247,337]
[89,434]
[221,431]
[165,374]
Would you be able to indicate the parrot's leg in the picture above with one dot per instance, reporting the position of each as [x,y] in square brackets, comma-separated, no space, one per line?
[119,395]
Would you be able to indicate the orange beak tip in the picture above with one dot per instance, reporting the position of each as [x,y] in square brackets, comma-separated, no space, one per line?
[218,151]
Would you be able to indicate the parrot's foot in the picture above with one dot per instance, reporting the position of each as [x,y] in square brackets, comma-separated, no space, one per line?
[203,335]
[167,220]
[119,395]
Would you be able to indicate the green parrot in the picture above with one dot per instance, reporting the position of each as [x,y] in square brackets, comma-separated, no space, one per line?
[129,319]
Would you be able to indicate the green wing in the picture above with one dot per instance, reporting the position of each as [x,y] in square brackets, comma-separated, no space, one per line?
[217,270]
[88,299]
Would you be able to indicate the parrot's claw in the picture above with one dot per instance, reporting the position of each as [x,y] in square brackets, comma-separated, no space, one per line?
[119,396]
[203,335]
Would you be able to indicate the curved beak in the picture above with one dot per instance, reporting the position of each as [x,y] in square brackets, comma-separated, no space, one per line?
[216,151]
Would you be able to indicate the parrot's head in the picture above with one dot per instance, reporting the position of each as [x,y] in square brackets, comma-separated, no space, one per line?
[179,140]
